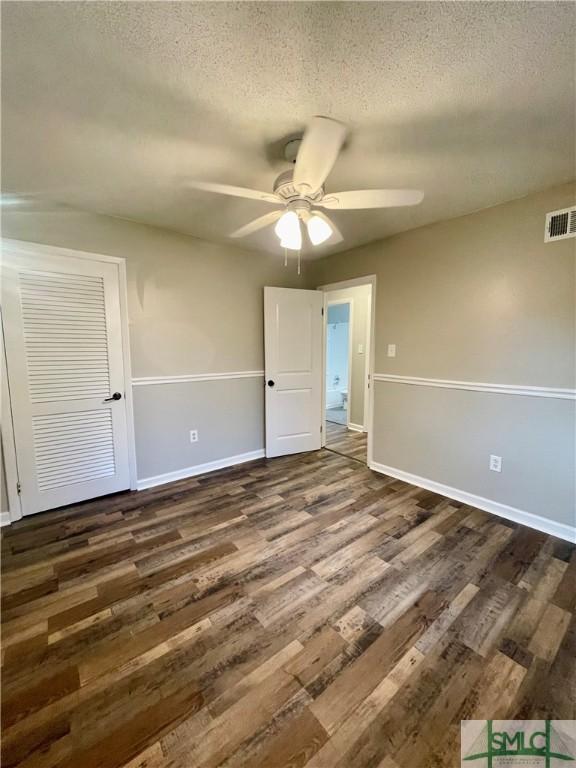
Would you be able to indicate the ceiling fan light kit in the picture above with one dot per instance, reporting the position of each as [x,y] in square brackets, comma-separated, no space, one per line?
[288,227]
[300,191]
[288,231]
[318,230]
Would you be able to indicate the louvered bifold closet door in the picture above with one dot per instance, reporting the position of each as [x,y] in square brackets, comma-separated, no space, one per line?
[62,328]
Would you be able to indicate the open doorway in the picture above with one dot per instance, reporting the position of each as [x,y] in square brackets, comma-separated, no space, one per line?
[348,309]
[338,354]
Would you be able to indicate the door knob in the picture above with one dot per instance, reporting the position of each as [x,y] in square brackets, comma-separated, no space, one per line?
[270,383]
[115,396]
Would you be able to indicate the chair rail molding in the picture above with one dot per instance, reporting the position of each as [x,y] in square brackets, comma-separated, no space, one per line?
[476,386]
[144,381]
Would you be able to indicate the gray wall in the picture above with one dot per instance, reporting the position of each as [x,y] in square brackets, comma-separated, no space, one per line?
[194,307]
[361,297]
[228,415]
[481,298]
[447,436]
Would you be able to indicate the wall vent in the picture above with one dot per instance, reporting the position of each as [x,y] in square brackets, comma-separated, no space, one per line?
[560,224]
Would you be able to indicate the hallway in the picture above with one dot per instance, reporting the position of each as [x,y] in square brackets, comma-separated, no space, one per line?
[346,442]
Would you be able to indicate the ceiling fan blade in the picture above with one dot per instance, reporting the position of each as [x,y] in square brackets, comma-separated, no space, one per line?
[35,201]
[317,154]
[227,189]
[336,236]
[259,223]
[372,198]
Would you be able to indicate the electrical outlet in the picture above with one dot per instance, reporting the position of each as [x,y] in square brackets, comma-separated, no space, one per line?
[360,349]
[391,350]
[193,435]
[496,463]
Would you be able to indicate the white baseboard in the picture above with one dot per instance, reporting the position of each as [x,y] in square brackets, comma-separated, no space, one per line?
[356,427]
[543,524]
[199,469]
[4,519]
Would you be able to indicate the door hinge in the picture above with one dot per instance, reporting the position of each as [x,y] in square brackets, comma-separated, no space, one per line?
[322,311]
[18,489]
[321,428]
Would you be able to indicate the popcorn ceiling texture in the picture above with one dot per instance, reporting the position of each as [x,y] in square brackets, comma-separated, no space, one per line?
[109,106]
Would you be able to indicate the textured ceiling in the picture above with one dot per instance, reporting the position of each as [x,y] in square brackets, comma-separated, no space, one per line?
[109,106]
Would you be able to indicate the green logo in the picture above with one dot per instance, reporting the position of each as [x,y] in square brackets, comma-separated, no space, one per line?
[518,739]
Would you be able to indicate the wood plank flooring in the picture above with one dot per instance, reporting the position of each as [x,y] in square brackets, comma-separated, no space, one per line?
[347,442]
[302,611]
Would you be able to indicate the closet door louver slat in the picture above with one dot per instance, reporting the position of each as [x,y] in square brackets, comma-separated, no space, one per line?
[73,293]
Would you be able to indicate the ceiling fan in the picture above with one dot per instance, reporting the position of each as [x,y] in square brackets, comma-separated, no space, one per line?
[301,194]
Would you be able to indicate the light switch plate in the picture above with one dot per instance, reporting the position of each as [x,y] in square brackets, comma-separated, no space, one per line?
[391,350]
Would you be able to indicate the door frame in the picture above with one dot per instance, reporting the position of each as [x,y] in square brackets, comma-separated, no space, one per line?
[369,421]
[25,247]
[14,510]
[327,305]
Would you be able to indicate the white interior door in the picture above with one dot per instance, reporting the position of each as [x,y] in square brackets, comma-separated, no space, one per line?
[293,353]
[62,329]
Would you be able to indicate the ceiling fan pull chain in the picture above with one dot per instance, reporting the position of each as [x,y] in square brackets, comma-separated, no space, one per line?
[285,257]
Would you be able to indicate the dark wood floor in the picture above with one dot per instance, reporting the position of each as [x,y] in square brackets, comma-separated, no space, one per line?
[347,442]
[302,611]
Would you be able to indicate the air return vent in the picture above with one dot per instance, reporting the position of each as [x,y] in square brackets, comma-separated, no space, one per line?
[560,224]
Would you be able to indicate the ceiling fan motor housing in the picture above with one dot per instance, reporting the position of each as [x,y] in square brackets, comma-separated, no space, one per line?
[284,187]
